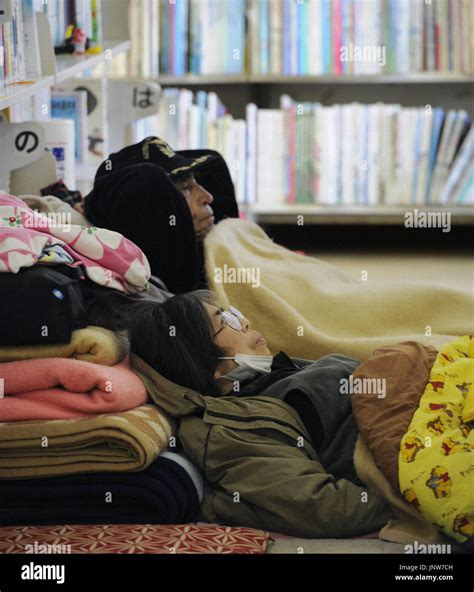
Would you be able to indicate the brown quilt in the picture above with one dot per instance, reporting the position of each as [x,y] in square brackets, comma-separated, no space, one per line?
[382,422]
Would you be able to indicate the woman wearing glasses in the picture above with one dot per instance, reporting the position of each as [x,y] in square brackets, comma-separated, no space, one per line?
[273,435]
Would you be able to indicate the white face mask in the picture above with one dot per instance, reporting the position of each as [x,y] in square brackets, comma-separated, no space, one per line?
[248,367]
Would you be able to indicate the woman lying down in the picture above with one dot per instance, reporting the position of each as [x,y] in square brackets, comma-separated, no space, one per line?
[275,436]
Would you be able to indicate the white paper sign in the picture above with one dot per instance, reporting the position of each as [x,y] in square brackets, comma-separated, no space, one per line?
[6,11]
[133,100]
[20,144]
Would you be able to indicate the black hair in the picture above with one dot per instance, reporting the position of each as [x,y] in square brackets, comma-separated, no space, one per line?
[176,338]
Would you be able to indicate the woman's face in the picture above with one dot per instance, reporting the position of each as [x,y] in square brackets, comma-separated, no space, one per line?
[245,341]
[199,202]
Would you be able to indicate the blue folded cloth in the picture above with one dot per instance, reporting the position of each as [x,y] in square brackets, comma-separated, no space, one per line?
[169,491]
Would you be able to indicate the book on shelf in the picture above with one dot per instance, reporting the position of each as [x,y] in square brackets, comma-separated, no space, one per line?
[187,36]
[304,152]
[31,43]
[73,105]
[12,43]
[20,55]
[353,154]
[455,130]
[97,127]
[456,188]
[251,154]
[34,108]
[270,153]
[60,142]
[195,120]
[309,37]
[85,14]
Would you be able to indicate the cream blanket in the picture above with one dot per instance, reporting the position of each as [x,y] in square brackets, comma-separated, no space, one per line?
[309,308]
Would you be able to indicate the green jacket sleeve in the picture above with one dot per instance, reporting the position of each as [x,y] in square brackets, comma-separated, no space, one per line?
[266,483]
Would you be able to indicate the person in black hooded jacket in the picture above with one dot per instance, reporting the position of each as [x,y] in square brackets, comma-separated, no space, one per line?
[166,202]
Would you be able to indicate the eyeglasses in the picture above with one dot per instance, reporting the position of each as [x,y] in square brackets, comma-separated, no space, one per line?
[230,318]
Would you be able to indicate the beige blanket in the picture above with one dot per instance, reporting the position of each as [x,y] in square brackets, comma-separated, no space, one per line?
[91,344]
[111,442]
[309,308]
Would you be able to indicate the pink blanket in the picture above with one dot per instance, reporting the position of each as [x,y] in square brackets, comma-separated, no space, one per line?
[109,259]
[58,388]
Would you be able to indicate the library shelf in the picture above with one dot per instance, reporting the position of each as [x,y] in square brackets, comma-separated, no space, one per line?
[70,66]
[420,78]
[66,67]
[341,214]
[16,92]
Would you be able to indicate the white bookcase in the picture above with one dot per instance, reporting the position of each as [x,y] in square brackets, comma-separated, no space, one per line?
[447,90]
[57,69]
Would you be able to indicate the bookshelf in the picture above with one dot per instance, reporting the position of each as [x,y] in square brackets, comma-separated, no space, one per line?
[335,215]
[28,99]
[419,78]
[67,67]
[135,31]
[420,72]
[17,92]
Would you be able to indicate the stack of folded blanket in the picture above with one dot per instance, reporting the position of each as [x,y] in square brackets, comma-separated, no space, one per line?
[80,441]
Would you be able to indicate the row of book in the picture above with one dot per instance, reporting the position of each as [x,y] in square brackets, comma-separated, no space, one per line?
[301,37]
[16,37]
[351,154]
[302,153]
[364,154]
[198,36]
[19,41]
[344,37]
[61,14]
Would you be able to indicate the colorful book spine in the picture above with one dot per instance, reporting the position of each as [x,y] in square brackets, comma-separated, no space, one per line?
[337,36]
[326,34]
[286,38]
[264,37]
[293,24]
[438,121]
[305,37]
[165,36]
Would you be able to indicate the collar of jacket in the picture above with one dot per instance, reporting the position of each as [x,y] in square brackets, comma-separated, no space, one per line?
[257,412]
[175,399]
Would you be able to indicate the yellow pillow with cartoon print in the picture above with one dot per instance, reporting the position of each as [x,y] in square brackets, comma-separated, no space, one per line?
[468,411]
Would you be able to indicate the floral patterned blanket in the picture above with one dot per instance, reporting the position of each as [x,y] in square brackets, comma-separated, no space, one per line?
[108,258]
